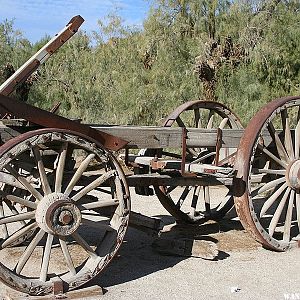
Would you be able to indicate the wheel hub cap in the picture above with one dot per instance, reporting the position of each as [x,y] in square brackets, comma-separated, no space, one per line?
[57,214]
[293,175]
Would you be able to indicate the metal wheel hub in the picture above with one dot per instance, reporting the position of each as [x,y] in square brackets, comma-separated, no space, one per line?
[293,175]
[58,214]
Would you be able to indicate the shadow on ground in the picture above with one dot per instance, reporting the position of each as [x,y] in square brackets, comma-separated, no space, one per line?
[137,258]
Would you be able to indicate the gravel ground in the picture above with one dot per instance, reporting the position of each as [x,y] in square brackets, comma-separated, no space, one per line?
[242,270]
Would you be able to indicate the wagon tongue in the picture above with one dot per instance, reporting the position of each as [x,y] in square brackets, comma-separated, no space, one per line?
[41,56]
[46,119]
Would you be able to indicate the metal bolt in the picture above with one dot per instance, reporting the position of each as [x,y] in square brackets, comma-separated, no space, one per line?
[65,217]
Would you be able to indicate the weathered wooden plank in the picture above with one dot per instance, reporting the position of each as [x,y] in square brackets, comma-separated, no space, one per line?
[164,137]
[146,136]
[149,225]
[159,179]
[149,136]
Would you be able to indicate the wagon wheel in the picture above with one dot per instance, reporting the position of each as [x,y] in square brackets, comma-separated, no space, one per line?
[268,175]
[77,205]
[188,207]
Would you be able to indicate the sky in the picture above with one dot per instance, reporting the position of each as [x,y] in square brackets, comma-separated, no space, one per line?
[36,18]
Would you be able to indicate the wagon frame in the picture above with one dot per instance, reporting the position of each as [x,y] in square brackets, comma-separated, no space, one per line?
[60,177]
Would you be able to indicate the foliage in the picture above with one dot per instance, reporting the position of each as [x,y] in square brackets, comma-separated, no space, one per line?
[128,75]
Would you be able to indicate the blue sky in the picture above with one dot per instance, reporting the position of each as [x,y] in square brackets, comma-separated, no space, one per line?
[37,18]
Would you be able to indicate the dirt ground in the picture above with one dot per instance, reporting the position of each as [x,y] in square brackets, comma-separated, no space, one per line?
[242,269]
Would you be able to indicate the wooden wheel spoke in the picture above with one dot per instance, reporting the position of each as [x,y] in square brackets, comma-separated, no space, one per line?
[84,245]
[287,134]
[279,146]
[17,217]
[267,186]
[197,118]
[271,199]
[228,201]
[67,255]
[98,204]
[298,209]
[272,156]
[297,140]
[192,151]
[18,234]
[83,166]
[28,251]
[288,218]
[195,200]
[206,198]
[276,216]
[97,225]
[42,171]
[223,123]
[21,201]
[24,182]
[210,120]
[60,167]
[94,184]
[269,171]
[46,258]
[3,227]
[13,210]
[183,196]
[170,189]
[198,160]
[180,122]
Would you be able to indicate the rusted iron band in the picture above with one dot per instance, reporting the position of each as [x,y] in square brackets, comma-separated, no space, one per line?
[49,120]
[170,119]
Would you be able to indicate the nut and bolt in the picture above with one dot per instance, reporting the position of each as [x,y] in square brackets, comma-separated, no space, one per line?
[65,217]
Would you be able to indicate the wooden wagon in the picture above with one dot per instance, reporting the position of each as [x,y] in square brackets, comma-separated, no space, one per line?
[61,180]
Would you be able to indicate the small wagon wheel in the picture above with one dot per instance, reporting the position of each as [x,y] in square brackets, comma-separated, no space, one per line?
[77,206]
[187,206]
[267,183]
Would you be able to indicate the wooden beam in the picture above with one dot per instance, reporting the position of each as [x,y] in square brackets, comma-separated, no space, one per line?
[140,137]
[167,180]
[164,137]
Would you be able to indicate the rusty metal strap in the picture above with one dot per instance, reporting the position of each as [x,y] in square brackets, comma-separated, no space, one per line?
[49,120]
[71,28]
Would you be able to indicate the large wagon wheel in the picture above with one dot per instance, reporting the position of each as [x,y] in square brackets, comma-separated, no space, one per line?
[187,207]
[77,206]
[268,175]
